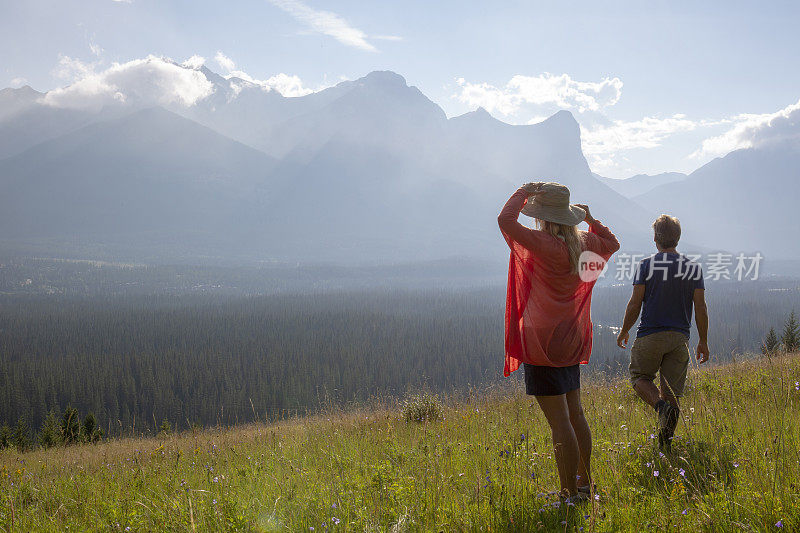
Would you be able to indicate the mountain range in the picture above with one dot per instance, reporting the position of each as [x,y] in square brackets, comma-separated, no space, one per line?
[640,183]
[368,171]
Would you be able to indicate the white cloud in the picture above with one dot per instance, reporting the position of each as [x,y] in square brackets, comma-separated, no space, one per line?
[194,62]
[537,119]
[287,85]
[225,62]
[19,82]
[95,49]
[546,89]
[150,81]
[647,132]
[601,163]
[751,130]
[155,81]
[605,144]
[71,70]
[326,23]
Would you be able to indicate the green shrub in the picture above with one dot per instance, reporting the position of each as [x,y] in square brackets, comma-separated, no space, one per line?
[422,408]
[166,428]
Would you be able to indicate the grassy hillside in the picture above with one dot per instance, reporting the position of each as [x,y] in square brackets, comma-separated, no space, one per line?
[485,465]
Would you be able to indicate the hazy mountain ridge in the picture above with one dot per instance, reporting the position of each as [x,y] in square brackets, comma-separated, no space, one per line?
[743,202]
[368,170]
[13,101]
[150,178]
[640,183]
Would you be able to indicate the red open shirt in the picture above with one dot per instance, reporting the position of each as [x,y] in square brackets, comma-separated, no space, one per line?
[547,305]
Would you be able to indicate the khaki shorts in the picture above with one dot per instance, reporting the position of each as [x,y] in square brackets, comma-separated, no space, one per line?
[666,352]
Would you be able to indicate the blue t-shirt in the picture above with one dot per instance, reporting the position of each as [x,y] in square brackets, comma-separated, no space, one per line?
[669,281]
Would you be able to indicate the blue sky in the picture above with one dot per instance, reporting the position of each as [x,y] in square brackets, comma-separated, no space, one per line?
[656,86]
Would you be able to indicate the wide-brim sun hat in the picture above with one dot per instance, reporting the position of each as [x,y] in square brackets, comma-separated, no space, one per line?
[551,203]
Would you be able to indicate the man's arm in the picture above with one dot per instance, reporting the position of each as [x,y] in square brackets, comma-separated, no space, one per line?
[631,314]
[701,318]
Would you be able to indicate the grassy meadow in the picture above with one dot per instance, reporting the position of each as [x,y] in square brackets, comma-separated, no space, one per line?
[484,465]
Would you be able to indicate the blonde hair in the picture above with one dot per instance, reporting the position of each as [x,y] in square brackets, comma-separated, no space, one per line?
[571,237]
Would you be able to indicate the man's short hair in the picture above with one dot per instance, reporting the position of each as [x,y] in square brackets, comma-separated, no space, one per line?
[667,231]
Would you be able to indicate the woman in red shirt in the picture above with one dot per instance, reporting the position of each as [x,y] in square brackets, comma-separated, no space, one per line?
[551,273]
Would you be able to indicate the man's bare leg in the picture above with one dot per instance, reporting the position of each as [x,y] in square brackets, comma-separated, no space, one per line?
[647,391]
[666,393]
[665,404]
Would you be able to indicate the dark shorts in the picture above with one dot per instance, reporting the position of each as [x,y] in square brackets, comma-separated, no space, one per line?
[550,380]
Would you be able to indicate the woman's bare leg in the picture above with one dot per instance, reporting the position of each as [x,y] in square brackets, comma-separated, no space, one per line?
[583,435]
[565,444]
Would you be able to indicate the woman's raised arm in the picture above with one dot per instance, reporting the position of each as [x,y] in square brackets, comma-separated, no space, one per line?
[510,226]
[605,243]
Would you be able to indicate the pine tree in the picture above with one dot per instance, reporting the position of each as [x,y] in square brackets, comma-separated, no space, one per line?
[70,426]
[771,343]
[791,334]
[50,434]
[91,433]
[5,436]
[21,436]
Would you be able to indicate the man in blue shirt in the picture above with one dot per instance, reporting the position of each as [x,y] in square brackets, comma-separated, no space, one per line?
[668,285]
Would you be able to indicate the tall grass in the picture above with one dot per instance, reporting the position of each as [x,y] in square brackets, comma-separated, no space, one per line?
[485,464]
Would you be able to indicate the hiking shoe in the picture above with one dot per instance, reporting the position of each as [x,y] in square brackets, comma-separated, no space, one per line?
[672,421]
[578,498]
[668,416]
